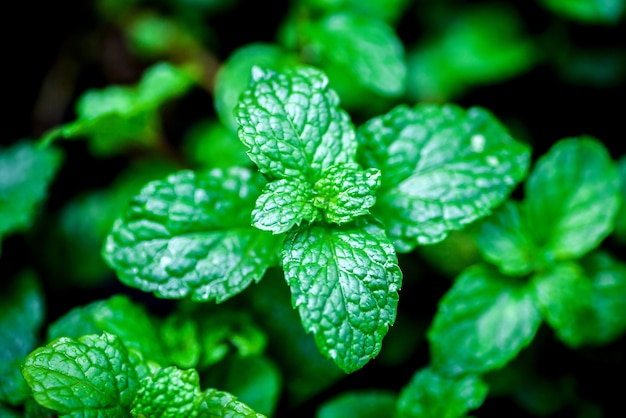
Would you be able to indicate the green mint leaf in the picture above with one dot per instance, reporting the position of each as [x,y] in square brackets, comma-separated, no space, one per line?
[584,306]
[389,11]
[432,395]
[181,340]
[169,393]
[21,315]
[284,204]
[344,282]
[482,322]
[346,191]
[111,315]
[442,168]
[190,236]
[588,11]
[292,124]
[26,172]
[88,377]
[203,138]
[505,239]
[234,76]
[620,221]
[571,197]
[361,403]
[366,48]
[219,404]
[120,117]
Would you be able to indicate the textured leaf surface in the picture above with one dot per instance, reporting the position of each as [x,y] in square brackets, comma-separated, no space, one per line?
[346,191]
[111,315]
[505,239]
[26,171]
[21,315]
[344,282]
[362,404]
[190,236]
[292,125]
[366,48]
[432,395]
[571,197]
[283,204]
[482,322]
[442,168]
[584,306]
[219,404]
[88,377]
[169,393]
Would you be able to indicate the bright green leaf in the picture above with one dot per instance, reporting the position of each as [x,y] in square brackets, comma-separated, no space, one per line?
[21,315]
[620,220]
[344,282]
[219,404]
[432,395]
[203,139]
[588,11]
[346,191]
[387,10]
[505,239]
[482,322]
[359,404]
[442,168]
[284,204]
[292,124]
[26,172]
[571,198]
[88,377]
[181,340]
[169,393]
[365,48]
[190,236]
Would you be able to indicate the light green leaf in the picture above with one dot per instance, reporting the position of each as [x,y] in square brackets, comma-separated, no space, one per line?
[292,125]
[344,282]
[26,172]
[203,139]
[387,10]
[442,168]
[359,404]
[190,236]
[432,395]
[88,377]
[234,76]
[584,306]
[505,239]
[620,220]
[482,322]
[22,307]
[219,404]
[346,191]
[169,393]
[571,198]
[588,11]
[366,48]
[284,204]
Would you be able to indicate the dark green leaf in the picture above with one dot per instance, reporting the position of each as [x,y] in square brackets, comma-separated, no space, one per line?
[359,404]
[344,282]
[588,11]
[190,236]
[482,322]
[204,138]
[620,221]
[442,168]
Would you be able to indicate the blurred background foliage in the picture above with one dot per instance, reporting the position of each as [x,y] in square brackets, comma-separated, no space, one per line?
[167,73]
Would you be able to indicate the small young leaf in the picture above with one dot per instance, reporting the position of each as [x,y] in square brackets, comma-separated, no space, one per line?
[442,168]
[26,171]
[169,393]
[180,337]
[219,404]
[571,198]
[346,191]
[283,204]
[505,239]
[361,404]
[190,236]
[584,306]
[432,395]
[344,282]
[21,316]
[482,323]
[292,124]
[88,377]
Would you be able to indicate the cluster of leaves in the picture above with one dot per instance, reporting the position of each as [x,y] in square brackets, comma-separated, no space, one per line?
[326,177]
